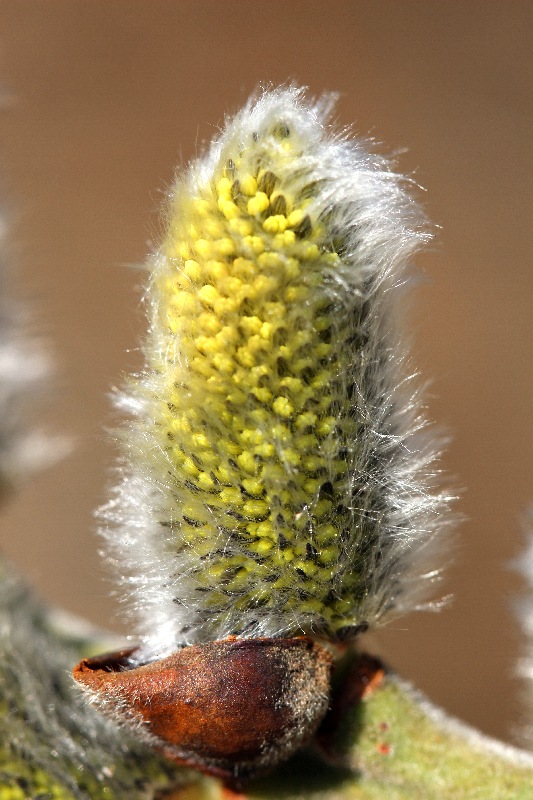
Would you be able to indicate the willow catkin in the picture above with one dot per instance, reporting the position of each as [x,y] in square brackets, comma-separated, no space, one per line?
[274,481]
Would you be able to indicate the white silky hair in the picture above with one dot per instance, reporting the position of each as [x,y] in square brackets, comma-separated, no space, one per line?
[381,225]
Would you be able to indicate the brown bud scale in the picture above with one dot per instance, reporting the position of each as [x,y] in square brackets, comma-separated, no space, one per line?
[233,708]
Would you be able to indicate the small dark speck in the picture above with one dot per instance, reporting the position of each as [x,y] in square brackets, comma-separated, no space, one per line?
[311,552]
[282,130]
[282,542]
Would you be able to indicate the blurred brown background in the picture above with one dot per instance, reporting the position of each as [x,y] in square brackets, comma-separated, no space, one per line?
[105,97]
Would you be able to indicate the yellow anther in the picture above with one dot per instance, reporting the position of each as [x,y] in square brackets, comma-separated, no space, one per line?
[210,458]
[224,187]
[255,508]
[254,243]
[225,305]
[224,247]
[263,285]
[216,270]
[223,473]
[264,529]
[227,336]
[205,481]
[321,380]
[213,228]
[262,394]
[216,385]
[295,218]
[340,467]
[296,294]
[228,208]
[247,462]
[257,343]
[201,547]
[287,556]
[322,508]
[206,345]
[322,350]
[294,385]
[217,570]
[245,357]
[326,533]
[192,270]
[266,330]
[248,185]
[204,248]
[312,485]
[292,266]
[310,606]
[232,286]
[201,367]
[282,407]
[309,252]
[328,555]
[306,567]
[284,581]
[307,442]
[229,447]
[181,251]
[283,241]
[343,606]
[223,363]
[200,440]
[265,450]
[269,261]
[275,224]
[292,457]
[209,323]
[201,207]
[312,463]
[189,467]
[257,204]
[256,436]
[180,424]
[208,294]
[244,268]
[250,325]
[281,432]
[262,546]
[240,226]
[326,426]
[256,373]
[236,397]
[253,486]
[260,416]
[305,420]
[183,302]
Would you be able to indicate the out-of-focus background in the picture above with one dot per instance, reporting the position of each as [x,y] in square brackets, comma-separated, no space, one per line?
[103,98]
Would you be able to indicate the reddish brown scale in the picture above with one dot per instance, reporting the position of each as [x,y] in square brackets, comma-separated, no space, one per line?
[233,708]
[359,677]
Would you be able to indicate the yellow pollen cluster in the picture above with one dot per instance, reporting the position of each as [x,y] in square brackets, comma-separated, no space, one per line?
[250,406]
